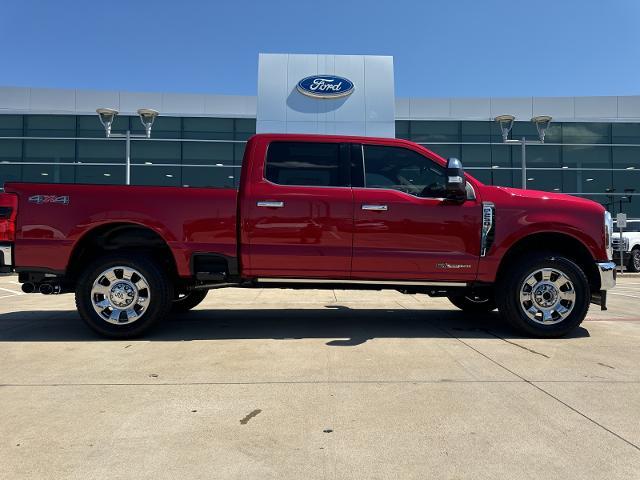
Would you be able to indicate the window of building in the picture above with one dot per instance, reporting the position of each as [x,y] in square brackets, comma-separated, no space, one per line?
[163,127]
[156,175]
[220,177]
[305,163]
[402,129]
[150,152]
[475,132]
[11,125]
[206,153]
[244,128]
[100,175]
[208,128]
[446,131]
[404,170]
[625,133]
[10,153]
[586,132]
[100,151]
[50,126]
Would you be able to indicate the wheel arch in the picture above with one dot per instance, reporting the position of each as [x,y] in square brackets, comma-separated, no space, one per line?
[118,236]
[556,242]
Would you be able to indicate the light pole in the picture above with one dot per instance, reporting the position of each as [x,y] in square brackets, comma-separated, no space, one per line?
[108,115]
[506,123]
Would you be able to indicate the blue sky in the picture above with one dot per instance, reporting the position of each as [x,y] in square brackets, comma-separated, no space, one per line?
[440,48]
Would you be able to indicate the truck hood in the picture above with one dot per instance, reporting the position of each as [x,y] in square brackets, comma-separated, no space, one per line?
[556,200]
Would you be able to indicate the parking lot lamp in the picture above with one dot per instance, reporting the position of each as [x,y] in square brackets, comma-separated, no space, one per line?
[506,124]
[147,117]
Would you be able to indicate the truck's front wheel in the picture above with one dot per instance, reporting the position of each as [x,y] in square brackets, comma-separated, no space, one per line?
[544,296]
[122,296]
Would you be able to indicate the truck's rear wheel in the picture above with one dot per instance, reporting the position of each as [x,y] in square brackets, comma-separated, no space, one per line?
[122,296]
[544,296]
[473,303]
[186,301]
[634,260]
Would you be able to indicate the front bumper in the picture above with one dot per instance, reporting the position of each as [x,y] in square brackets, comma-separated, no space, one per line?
[607,271]
[6,258]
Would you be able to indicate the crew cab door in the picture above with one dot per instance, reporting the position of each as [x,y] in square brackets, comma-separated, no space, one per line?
[404,228]
[298,217]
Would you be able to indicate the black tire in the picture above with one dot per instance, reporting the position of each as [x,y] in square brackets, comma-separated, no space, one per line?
[513,282]
[634,260]
[154,301]
[187,301]
[473,303]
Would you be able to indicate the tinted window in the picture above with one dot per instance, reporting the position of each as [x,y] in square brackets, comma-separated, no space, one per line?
[402,169]
[298,163]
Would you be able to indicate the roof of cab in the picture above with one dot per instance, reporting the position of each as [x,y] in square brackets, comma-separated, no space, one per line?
[342,138]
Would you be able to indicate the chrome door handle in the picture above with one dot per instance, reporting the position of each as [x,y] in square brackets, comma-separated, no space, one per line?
[271,204]
[375,208]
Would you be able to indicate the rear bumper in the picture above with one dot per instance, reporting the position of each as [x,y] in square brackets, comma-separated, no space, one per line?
[6,257]
[607,271]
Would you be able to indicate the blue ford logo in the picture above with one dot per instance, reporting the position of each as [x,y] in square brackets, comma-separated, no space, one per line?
[325,86]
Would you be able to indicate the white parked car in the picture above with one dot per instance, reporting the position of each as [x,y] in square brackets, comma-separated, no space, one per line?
[630,245]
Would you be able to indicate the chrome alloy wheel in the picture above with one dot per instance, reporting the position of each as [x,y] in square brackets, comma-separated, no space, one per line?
[120,295]
[547,296]
[635,255]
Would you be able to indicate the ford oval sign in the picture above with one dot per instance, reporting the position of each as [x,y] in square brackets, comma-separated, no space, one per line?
[325,86]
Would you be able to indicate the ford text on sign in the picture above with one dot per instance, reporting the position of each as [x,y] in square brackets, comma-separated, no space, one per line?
[325,86]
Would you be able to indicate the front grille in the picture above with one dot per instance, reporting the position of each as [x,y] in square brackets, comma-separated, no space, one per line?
[615,243]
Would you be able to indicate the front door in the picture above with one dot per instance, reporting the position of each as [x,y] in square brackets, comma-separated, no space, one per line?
[299,220]
[404,228]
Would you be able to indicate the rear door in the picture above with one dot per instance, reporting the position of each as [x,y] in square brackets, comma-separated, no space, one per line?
[299,211]
[404,228]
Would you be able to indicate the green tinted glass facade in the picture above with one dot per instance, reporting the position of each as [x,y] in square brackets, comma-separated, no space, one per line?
[600,161]
[190,152]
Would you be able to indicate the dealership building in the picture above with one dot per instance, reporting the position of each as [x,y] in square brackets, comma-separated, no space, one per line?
[591,148]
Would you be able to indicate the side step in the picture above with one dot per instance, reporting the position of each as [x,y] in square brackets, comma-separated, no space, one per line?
[211,276]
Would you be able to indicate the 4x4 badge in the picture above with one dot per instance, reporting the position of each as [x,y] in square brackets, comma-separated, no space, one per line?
[40,199]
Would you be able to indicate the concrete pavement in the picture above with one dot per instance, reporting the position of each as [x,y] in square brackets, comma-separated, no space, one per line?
[318,384]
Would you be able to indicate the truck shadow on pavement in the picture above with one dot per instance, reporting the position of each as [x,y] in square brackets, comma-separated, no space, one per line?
[340,325]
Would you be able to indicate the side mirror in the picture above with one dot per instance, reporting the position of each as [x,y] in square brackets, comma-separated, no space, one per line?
[456,181]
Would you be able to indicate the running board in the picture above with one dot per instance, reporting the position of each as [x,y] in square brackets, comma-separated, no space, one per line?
[362,282]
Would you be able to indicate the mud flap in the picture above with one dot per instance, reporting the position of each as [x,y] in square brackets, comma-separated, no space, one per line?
[600,298]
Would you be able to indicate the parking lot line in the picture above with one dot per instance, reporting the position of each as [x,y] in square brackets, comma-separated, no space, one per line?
[623,295]
[11,291]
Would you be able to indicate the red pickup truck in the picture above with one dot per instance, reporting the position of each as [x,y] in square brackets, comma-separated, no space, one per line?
[312,212]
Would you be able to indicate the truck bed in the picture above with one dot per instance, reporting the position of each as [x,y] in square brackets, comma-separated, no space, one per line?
[54,217]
